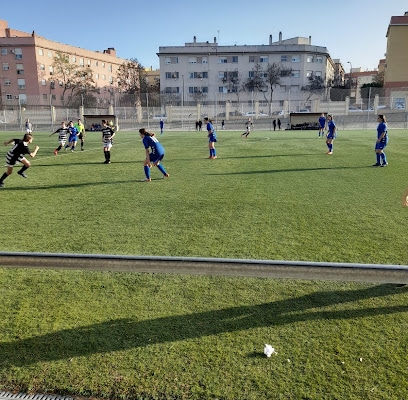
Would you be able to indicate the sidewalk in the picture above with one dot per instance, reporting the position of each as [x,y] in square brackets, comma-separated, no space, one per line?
[23,396]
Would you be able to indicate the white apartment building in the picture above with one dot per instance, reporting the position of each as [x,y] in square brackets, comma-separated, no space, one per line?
[198,71]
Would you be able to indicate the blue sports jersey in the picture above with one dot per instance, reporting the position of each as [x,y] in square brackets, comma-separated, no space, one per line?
[382,127]
[322,122]
[331,126]
[212,133]
[154,145]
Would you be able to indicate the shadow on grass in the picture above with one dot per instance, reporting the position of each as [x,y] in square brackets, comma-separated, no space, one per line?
[274,171]
[123,334]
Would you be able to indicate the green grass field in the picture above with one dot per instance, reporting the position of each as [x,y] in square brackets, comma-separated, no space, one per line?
[275,195]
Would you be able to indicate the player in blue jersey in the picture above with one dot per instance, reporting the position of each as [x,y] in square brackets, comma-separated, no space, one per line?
[154,153]
[73,136]
[212,138]
[107,138]
[381,143]
[322,125]
[16,154]
[331,134]
[63,133]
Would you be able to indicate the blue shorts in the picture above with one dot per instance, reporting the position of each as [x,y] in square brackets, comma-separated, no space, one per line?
[212,138]
[154,157]
[331,136]
[381,145]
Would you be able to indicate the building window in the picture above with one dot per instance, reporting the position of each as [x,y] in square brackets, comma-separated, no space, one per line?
[5,67]
[7,82]
[51,70]
[167,60]
[21,84]
[96,63]
[252,59]
[284,58]
[192,60]
[309,59]
[3,52]
[9,96]
[81,62]
[42,67]
[44,97]
[204,60]
[40,52]
[50,54]
[222,89]
[222,75]
[172,90]
[43,82]
[319,59]
[18,53]
[309,74]
[264,59]
[234,59]
[318,73]
[222,60]
[96,76]
[295,74]
[295,59]
[20,69]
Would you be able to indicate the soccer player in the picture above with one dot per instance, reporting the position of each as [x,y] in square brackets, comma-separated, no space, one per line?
[248,125]
[331,134]
[212,138]
[107,138]
[16,154]
[73,136]
[161,126]
[81,130]
[381,143]
[154,155]
[63,133]
[322,124]
[29,127]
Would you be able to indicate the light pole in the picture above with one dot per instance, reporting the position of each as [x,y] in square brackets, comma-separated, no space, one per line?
[52,86]
[351,77]
[147,102]
[182,104]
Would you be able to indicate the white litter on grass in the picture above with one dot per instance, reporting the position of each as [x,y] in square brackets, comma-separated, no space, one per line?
[269,350]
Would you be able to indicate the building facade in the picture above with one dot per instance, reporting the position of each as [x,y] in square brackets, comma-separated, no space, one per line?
[26,73]
[203,70]
[396,71]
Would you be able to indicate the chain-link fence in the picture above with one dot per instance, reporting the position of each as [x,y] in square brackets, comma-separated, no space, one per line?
[183,113]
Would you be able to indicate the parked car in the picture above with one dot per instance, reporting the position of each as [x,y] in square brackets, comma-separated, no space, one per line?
[254,114]
[352,108]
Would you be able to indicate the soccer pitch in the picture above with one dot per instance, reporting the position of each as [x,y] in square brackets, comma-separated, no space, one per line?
[273,195]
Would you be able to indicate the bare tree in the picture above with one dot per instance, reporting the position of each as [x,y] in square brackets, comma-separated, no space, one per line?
[315,86]
[265,81]
[74,79]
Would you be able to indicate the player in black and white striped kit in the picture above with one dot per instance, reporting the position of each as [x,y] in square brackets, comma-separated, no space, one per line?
[107,135]
[63,133]
[16,154]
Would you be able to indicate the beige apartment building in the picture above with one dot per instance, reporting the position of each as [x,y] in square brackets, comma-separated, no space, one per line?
[396,71]
[200,71]
[26,74]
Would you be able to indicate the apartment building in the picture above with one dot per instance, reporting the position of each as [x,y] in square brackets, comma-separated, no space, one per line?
[26,73]
[201,69]
[396,71]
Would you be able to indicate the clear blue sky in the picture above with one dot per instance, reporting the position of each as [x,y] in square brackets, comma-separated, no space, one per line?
[352,30]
